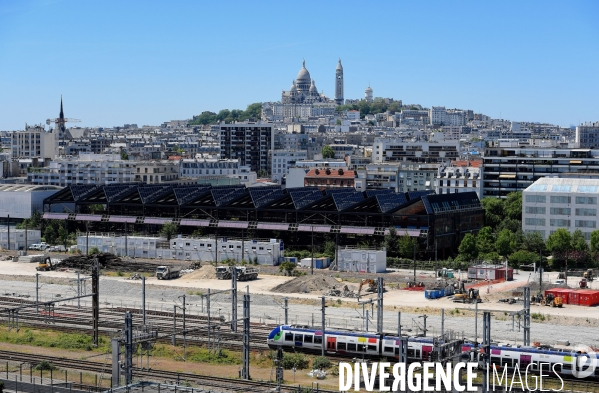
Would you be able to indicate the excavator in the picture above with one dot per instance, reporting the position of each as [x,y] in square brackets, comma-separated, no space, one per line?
[372,286]
[45,265]
[470,296]
[553,301]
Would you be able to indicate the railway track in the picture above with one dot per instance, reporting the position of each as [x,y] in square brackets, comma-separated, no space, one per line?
[237,385]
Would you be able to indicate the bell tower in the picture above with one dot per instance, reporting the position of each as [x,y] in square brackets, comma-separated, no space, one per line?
[339,84]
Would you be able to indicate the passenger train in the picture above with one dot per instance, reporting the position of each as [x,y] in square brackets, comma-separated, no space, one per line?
[568,363]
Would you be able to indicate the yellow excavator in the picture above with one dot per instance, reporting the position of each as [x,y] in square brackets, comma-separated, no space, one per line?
[553,301]
[45,265]
[372,286]
[470,296]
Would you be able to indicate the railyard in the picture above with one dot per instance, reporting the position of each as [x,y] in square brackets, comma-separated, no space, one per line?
[119,294]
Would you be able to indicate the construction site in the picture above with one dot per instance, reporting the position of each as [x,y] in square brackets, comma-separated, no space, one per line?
[141,327]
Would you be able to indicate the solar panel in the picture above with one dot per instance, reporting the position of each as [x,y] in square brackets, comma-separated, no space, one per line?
[305,196]
[389,202]
[81,190]
[344,200]
[264,195]
[370,193]
[225,194]
[115,191]
[187,194]
[417,194]
[151,193]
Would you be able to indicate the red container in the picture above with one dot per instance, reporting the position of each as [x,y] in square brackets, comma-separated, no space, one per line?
[588,297]
[574,298]
[564,293]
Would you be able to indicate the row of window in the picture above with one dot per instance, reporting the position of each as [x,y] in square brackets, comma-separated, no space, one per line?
[561,199]
[586,235]
[561,211]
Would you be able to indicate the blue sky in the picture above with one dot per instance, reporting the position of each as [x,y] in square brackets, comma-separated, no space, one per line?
[146,62]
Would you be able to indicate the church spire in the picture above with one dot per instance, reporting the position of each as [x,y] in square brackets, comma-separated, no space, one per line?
[61,115]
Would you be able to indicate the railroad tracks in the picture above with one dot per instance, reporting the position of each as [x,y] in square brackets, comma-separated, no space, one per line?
[237,385]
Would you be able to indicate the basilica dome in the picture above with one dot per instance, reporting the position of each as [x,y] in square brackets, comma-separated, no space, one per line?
[303,76]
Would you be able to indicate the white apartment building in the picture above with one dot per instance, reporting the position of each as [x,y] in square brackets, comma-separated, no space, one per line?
[587,135]
[87,168]
[398,149]
[204,167]
[454,179]
[35,141]
[282,160]
[439,116]
[551,203]
[156,172]
[401,177]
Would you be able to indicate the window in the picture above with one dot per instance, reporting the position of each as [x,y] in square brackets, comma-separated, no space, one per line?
[592,189]
[308,339]
[351,347]
[586,200]
[561,188]
[317,339]
[585,224]
[288,336]
[560,199]
[299,338]
[536,198]
[562,211]
[557,222]
[372,348]
[534,221]
[360,347]
[538,187]
[535,210]
[586,212]
[341,346]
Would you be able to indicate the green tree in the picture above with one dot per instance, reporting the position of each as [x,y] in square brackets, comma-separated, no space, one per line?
[468,250]
[509,224]
[578,243]
[50,234]
[391,243]
[96,208]
[169,230]
[505,243]
[329,250]
[35,221]
[513,205]
[124,155]
[494,211]
[262,173]
[559,241]
[63,236]
[485,243]
[287,267]
[533,242]
[327,152]
[522,257]
[595,240]
[406,246]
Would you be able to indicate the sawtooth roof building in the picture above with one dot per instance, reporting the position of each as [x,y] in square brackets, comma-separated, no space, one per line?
[226,210]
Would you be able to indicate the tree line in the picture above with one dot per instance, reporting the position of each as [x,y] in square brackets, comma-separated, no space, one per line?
[253,111]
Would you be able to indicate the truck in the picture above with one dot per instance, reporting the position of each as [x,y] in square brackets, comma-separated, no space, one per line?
[244,273]
[167,272]
[39,246]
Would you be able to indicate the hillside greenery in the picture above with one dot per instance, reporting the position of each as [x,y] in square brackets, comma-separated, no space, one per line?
[253,111]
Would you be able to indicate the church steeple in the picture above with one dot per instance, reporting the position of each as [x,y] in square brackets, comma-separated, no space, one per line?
[61,115]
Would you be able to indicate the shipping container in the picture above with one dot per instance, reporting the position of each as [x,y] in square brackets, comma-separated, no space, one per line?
[588,297]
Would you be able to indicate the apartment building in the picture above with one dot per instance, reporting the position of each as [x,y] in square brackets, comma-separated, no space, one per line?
[156,172]
[551,203]
[587,135]
[87,168]
[34,142]
[455,179]
[248,142]
[514,169]
[398,149]
[282,160]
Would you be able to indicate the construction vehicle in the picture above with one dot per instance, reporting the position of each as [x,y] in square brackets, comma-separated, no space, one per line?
[244,273]
[471,296]
[561,276]
[583,283]
[553,301]
[45,265]
[371,286]
[167,272]
[589,275]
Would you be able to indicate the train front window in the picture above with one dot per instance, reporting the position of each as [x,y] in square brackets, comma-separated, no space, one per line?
[288,336]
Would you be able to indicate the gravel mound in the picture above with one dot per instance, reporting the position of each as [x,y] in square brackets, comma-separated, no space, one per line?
[306,284]
[206,271]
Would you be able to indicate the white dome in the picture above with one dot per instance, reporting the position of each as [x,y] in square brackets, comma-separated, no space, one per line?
[303,76]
